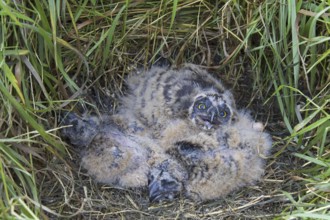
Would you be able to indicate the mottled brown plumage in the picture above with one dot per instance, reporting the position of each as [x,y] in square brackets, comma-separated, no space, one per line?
[177,132]
[160,95]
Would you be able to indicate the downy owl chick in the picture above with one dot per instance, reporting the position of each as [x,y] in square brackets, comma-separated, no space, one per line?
[161,94]
[177,132]
[212,164]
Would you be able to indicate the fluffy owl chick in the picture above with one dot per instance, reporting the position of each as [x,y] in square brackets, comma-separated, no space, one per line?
[107,152]
[162,94]
[177,132]
[214,164]
[186,160]
[113,156]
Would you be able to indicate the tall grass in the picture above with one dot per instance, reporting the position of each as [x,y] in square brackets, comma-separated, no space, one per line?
[28,88]
[288,45]
[294,51]
[51,52]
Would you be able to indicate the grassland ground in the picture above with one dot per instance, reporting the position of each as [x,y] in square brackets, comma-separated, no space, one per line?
[74,55]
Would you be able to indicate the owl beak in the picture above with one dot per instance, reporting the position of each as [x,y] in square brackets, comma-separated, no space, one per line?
[213,113]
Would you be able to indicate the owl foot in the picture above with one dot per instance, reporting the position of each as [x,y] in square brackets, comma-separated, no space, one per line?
[79,131]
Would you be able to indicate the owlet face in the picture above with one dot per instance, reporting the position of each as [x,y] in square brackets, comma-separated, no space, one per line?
[210,111]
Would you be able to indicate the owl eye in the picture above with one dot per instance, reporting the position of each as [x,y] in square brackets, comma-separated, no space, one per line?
[223,114]
[201,106]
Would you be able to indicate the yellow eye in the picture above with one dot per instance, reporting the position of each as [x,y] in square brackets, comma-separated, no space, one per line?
[201,106]
[223,114]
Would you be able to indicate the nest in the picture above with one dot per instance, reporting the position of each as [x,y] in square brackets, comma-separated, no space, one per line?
[98,44]
[68,192]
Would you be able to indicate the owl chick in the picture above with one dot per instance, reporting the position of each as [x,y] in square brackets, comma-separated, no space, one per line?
[214,163]
[161,94]
[108,153]
[177,132]
[114,156]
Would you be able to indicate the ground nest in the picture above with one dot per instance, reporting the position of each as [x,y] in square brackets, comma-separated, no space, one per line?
[74,55]
[68,192]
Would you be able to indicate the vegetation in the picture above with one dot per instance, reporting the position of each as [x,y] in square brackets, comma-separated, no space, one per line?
[60,54]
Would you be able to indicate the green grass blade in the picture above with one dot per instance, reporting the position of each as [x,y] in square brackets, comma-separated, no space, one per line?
[109,36]
[313,160]
[174,11]
[30,120]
